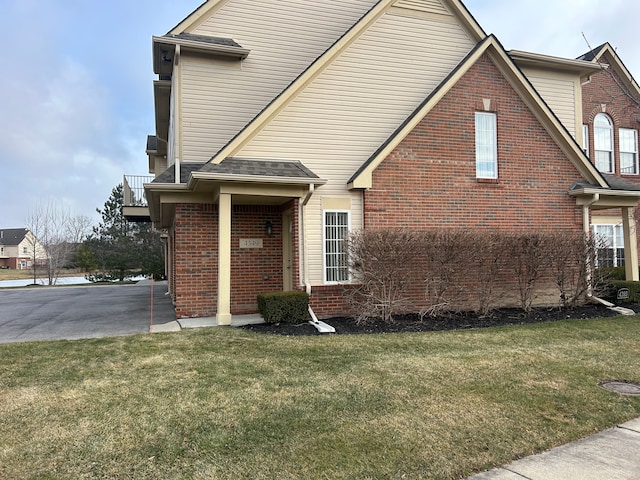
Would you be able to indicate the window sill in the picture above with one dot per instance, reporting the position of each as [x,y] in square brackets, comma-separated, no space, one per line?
[487,180]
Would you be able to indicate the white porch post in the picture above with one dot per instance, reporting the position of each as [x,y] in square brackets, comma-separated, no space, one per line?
[630,244]
[224,260]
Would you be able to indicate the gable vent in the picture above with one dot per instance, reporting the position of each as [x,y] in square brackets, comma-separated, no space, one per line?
[431,6]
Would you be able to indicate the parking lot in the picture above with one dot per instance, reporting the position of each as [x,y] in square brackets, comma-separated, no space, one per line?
[67,313]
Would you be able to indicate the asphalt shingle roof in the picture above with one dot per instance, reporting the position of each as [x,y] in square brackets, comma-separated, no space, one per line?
[241,167]
[12,236]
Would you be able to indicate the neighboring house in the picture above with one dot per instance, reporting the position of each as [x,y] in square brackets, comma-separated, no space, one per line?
[285,125]
[17,249]
[610,122]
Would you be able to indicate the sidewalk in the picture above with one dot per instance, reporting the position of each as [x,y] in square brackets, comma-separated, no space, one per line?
[609,455]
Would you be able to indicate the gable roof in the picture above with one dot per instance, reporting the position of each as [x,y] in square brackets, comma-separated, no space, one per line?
[12,236]
[595,56]
[323,61]
[362,178]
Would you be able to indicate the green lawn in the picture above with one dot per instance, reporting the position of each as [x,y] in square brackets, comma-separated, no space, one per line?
[224,403]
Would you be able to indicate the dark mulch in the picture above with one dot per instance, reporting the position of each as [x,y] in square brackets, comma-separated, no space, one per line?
[457,321]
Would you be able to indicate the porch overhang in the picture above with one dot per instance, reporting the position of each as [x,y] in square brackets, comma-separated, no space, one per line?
[248,182]
[601,198]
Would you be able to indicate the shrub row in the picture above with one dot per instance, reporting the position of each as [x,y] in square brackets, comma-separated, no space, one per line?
[398,271]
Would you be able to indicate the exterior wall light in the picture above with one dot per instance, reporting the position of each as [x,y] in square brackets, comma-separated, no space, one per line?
[269,227]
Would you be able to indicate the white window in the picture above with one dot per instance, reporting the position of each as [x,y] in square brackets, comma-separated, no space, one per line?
[336,229]
[25,250]
[610,245]
[486,145]
[585,139]
[603,143]
[628,151]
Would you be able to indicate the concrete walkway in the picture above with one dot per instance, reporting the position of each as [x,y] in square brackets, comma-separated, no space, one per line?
[609,455]
[177,325]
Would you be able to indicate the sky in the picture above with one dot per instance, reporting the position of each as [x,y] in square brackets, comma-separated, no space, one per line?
[76,99]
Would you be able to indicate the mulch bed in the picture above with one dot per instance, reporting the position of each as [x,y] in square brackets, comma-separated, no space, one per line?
[457,321]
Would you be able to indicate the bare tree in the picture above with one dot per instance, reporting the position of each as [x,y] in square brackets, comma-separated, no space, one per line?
[56,235]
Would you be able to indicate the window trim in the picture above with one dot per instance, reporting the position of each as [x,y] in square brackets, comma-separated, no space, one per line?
[493,175]
[634,153]
[325,279]
[617,233]
[611,151]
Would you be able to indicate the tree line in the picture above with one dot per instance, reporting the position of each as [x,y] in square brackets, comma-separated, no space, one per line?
[112,250]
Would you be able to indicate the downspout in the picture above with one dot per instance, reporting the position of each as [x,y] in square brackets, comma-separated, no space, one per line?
[586,226]
[305,271]
[320,326]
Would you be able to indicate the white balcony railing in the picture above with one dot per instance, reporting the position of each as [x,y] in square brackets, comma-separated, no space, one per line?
[134,190]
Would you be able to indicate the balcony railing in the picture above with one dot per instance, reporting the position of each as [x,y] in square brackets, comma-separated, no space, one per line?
[134,190]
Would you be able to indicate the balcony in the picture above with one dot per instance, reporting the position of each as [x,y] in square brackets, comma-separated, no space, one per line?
[134,206]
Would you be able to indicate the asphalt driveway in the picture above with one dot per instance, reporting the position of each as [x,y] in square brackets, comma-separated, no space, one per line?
[67,313]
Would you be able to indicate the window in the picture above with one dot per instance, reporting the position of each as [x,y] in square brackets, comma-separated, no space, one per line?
[585,139]
[336,229]
[25,250]
[610,245]
[486,145]
[628,151]
[603,143]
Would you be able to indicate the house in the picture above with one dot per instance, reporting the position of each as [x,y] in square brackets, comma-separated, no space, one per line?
[610,121]
[17,247]
[282,126]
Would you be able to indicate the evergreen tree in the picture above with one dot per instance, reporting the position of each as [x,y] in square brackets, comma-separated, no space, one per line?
[119,248]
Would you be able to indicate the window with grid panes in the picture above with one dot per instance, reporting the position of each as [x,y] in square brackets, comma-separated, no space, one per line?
[603,143]
[336,229]
[628,151]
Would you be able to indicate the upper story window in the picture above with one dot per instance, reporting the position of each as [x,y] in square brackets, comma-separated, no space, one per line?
[585,139]
[603,143]
[486,145]
[628,151]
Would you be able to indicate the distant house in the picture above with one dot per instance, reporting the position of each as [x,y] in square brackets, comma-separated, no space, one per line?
[17,249]
[283,125]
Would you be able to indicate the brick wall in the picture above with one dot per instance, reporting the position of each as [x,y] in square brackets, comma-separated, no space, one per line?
[194,237]
[195,240]
[429,180]
[255,270]
[604,89]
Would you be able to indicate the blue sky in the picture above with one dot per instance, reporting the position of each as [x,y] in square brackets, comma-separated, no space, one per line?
[77,78]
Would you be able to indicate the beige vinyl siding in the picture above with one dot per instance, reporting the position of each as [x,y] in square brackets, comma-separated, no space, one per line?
[219,97]
[348,111]
[430,6]
[559,92]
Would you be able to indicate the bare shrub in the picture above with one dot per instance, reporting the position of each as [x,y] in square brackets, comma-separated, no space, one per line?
[382,263]
[484,270]
[447,253]
[529,261]
[571,260]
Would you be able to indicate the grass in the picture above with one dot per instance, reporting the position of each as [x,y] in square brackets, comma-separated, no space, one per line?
[11,274]
[230,404]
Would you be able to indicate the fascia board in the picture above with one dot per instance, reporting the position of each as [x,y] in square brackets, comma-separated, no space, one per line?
[202,47]
[196,177]
[529,59]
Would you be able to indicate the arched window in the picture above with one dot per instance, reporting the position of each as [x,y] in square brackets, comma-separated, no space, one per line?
[603,143]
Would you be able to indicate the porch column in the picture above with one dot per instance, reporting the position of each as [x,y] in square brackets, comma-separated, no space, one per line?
[630,244]
[224,260]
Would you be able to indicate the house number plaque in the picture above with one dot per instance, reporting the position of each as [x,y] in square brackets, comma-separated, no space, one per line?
[250,243]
